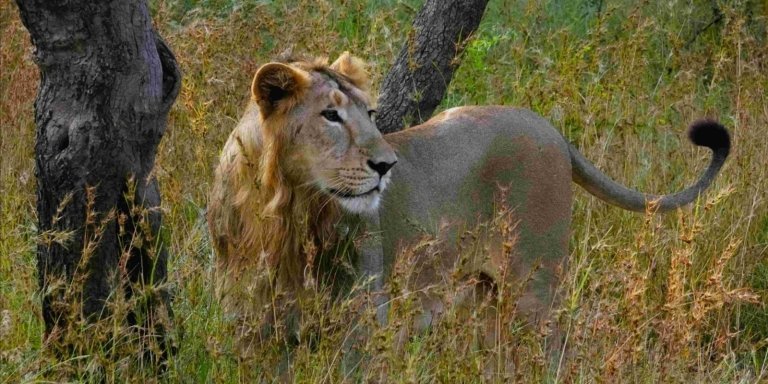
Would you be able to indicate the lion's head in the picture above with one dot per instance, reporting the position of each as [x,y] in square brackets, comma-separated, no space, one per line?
[317,124]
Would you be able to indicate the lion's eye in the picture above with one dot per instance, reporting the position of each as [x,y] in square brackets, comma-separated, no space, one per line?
[331,115]
[372,114]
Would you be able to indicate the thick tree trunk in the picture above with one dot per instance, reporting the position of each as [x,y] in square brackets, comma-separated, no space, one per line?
[107,84]
[416,84]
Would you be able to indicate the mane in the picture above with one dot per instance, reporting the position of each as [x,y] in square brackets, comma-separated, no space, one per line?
[256,214]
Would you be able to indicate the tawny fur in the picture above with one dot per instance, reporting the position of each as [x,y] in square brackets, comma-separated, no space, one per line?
[270,211]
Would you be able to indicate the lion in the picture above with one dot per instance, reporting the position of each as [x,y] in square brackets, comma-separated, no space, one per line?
[306,162]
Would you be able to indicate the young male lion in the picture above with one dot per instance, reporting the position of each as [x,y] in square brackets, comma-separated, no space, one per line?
[307,155]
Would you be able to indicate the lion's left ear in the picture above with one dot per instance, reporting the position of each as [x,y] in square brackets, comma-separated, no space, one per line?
[354,69]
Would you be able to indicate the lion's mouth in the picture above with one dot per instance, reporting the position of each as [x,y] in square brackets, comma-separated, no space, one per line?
[348,195]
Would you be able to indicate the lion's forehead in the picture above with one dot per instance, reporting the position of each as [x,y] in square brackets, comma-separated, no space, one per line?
[327,80]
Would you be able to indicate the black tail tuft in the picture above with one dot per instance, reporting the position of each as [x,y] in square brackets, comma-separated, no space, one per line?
[711,134]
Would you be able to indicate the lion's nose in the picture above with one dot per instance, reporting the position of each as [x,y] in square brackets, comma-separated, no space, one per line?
[381,167]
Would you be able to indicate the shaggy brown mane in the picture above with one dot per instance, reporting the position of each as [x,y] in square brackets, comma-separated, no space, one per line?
[262,223]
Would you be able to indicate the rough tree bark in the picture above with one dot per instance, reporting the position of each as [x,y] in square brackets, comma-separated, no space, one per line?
[107,83]
[416,84]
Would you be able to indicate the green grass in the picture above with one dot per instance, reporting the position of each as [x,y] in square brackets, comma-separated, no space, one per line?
[646,299]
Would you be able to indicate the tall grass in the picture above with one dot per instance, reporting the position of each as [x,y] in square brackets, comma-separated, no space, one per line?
[645,298]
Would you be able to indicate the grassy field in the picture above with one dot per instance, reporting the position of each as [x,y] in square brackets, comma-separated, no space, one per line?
[668,298]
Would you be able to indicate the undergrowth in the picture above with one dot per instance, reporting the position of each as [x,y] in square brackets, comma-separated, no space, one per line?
[644,298]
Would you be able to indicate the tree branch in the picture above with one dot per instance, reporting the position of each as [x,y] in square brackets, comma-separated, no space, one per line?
[417,82]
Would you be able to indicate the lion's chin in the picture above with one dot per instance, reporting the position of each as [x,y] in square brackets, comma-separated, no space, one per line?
[366,204]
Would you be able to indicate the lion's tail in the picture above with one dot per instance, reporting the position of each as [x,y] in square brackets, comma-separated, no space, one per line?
[705,133]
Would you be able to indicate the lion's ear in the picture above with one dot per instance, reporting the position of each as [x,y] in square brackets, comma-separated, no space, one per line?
[277,86]
[353,68]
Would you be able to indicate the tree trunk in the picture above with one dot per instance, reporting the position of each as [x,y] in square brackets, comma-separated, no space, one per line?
[416,84]
[107,84]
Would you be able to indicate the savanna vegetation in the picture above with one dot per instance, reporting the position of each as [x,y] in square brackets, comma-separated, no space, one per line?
[644,298]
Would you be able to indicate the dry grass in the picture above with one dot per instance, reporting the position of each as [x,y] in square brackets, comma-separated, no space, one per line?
[675,298]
